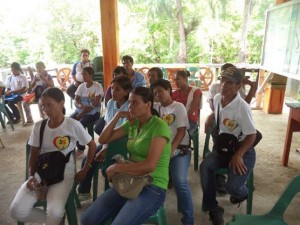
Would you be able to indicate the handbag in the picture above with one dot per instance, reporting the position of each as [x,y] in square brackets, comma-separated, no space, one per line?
[50,166]
[127,185]
[224,143]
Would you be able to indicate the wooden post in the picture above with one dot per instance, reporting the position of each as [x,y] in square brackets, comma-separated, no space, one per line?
[110,38]
[277,2]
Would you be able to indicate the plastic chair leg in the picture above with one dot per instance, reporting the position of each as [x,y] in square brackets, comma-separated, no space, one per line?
[95,182]
[71,209]
[250,184]
[195,138]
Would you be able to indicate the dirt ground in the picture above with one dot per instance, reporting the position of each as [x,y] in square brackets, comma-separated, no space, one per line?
[270,177]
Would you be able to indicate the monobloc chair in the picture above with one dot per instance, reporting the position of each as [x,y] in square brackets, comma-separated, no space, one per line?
[120,147]
[275,216]
[195,139]
[223,171]
[70,205]
[3,110]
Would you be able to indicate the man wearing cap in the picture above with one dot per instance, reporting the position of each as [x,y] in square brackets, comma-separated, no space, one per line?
[235,118]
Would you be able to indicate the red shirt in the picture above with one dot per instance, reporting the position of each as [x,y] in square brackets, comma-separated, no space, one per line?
[180,97]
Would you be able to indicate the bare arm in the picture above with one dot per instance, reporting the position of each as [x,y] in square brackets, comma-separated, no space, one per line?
[144,167]
[249,96]
[178,138]
[34,154]
[80,175]
[111,133]
[237,162]
[195,104]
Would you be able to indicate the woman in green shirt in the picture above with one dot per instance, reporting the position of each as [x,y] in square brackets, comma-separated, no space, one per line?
[150,148]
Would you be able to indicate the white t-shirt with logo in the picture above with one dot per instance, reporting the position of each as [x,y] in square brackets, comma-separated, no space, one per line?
[175,115]
[87,95]
[235,118]
[15,83]
[62,138]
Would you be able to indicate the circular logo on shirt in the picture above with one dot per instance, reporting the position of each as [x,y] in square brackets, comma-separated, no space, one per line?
[61,143]
[169,118]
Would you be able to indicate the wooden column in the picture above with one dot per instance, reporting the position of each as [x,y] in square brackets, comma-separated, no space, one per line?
[277,2]
[110,38]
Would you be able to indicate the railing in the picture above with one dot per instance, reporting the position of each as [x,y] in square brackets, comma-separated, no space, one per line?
[202,76]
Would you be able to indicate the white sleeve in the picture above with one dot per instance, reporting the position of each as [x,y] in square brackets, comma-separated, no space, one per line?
[99,89]
[181,116]
[80,89]
[82,134]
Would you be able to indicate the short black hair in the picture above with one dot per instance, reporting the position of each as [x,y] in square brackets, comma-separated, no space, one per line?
[16,66]
[165,84]
[89,70]
[158,71]
[84,50]
[127,57]
[120,69]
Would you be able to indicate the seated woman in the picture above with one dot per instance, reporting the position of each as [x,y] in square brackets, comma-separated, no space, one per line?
[16,84]
[189,96]
[57,127]
[40,82]
[120,88]
[87,102]
[119,70]
[150,148]
[175,115]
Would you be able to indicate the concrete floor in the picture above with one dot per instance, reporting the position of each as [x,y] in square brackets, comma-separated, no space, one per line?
[270,177]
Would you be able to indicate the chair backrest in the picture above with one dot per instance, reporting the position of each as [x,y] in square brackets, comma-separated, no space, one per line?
[64,78]
[206,149]
[115,147]
[286,197]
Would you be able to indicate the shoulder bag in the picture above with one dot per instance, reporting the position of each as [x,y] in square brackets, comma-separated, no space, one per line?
[129,186]
[50,166]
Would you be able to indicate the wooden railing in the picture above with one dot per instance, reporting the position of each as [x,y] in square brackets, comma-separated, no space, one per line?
[202,76]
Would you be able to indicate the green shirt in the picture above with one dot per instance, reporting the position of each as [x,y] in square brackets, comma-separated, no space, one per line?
[139,144]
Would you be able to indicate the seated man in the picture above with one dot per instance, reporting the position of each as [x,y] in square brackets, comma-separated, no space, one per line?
[77,72]
[137,79]
[215,89]
[16,85]
[233,117]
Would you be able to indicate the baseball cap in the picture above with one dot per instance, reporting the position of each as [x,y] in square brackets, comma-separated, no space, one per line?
[233,74]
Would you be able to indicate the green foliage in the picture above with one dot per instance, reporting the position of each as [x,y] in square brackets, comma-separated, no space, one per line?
[55,31]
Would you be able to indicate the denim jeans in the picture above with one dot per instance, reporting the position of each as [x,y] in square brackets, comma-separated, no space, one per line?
[85,120]
[84,186]
[193,127]
[235,184]
[179,166]
[129,212]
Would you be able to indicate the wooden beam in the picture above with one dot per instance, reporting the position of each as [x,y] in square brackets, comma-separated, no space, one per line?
[110,38]
[277,2]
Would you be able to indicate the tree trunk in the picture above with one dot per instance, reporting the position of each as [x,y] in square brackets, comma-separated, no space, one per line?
[182,44]
[243,40]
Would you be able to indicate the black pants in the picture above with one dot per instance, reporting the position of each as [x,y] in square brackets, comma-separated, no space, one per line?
[15,115]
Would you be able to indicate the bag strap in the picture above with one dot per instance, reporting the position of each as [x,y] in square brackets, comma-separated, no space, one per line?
[218,119]
[43,125]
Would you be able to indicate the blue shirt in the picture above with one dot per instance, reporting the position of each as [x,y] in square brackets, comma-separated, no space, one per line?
[112,109]
[138,80]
